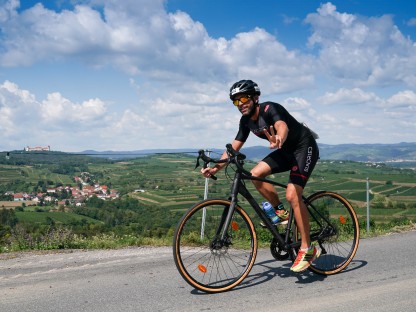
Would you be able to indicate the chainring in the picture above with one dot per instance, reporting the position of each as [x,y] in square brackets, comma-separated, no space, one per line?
[278,253]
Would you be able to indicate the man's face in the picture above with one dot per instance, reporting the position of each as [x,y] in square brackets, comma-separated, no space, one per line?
[244,103]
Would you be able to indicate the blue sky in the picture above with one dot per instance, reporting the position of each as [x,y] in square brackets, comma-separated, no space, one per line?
[139,74]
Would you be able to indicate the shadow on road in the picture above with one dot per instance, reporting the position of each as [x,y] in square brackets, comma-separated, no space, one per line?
[270,272]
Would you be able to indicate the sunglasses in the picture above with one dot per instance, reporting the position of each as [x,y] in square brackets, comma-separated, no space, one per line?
[242,100]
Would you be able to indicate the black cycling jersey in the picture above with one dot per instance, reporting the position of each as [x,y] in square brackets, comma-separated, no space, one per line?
[269,113]
[299,153]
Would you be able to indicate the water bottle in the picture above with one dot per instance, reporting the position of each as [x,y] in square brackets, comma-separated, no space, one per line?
[271,213]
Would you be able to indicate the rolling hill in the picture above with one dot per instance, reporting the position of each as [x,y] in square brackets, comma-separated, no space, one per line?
[353,152]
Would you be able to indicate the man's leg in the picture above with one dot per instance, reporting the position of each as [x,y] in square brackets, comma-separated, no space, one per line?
[307,253]
[294,197]
[267,190]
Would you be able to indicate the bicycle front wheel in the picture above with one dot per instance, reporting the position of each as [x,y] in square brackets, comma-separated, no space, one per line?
[334,226]
[206,261]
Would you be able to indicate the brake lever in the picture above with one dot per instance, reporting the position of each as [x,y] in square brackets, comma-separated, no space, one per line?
[197,162]
[200,153]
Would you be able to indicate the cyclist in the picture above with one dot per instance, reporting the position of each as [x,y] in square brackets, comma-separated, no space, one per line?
[295,150]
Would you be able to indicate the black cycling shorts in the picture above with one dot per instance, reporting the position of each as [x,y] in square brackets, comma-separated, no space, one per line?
[301,162]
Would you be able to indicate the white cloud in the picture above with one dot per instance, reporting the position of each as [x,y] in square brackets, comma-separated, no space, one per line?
[403,98]
[56,109]
[13,90]
[140,37]
[296,103]
[348,97]
[7,128]
[354,122]
[24,119]
[412,22]
[181,76]
[401,109]
[8,9]
[359,117]
[362,51]
[67,125]
[16,107]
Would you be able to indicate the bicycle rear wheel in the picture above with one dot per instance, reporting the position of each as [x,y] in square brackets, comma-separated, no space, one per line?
[204,260]
[334,225]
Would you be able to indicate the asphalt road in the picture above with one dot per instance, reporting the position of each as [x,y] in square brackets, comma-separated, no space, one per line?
[382,277]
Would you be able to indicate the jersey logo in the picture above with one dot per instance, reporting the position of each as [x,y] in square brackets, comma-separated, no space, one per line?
[259,132]
[266,108]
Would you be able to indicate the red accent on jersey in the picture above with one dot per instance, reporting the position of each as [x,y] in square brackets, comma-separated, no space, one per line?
[299,175]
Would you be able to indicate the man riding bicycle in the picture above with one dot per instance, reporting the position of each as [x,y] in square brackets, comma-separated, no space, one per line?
[295,150]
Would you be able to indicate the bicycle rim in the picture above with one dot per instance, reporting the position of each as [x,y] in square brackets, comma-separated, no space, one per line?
[206,265]
[339,248]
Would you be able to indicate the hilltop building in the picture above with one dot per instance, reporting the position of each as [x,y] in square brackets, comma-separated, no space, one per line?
[38,149]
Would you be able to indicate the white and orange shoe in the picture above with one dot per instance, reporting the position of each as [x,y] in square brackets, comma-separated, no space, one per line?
[305,258]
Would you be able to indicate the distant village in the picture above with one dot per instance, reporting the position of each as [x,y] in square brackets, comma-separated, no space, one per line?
[68,195]
[64,195]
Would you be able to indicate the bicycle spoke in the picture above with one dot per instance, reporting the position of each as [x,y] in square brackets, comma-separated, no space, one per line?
[204,259]
[335,224]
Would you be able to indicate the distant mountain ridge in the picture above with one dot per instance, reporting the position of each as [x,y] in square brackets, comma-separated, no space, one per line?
[370,152]
[353,152]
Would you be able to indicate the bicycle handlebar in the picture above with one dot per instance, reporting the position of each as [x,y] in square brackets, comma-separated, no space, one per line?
[233,157]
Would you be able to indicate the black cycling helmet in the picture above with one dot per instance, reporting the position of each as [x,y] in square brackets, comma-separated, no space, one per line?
[248,87]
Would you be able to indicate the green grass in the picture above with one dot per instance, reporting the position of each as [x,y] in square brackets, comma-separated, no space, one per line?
[59,217]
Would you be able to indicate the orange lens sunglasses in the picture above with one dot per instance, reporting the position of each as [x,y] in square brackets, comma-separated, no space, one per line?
[243,100]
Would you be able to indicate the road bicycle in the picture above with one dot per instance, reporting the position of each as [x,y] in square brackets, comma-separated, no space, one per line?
[215,242]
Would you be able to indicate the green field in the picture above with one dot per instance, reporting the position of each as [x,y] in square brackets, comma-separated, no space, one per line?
[64,218]
[168,184]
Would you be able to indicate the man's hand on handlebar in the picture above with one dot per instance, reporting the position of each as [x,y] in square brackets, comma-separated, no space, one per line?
[209,172]
[230,156]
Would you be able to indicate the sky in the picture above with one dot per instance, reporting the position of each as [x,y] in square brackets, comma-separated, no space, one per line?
[129,75]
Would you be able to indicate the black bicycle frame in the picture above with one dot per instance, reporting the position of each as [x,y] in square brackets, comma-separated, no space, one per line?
[284,242]
[239,188]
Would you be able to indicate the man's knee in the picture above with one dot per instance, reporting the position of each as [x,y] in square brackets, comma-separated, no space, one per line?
[294,193]
[261,170]
[291,198]
[255,172]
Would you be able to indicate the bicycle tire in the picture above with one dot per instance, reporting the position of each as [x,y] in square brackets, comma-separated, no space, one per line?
[211,269]
[338,249]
